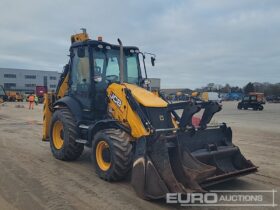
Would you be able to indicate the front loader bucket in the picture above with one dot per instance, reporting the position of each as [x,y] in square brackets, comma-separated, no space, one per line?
[187,162]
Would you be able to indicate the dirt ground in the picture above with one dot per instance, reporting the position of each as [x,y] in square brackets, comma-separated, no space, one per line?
[30,178]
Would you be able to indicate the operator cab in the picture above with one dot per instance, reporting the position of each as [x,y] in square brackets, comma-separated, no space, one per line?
[94,65]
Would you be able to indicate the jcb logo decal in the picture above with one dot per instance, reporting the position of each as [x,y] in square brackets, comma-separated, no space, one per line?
[115,99]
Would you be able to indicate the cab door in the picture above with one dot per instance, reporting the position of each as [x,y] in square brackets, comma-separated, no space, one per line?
[80,77]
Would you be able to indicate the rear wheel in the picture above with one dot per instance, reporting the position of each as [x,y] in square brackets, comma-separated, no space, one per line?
[63,133]
[112,154]
[261,107]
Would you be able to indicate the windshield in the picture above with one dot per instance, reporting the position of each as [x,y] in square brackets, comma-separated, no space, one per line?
[107,65]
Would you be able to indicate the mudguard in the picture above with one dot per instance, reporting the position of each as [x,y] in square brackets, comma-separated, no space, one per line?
[72,104]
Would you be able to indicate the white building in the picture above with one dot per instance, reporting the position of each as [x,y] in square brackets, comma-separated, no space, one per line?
[24,80]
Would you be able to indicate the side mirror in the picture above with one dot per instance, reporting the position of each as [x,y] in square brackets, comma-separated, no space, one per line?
[81,52]
[153,59]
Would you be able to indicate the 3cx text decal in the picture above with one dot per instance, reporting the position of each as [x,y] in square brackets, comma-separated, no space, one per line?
[115,99]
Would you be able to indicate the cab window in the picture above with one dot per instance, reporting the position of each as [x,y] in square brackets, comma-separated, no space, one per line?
[113,67]
[132,69]
[80,75]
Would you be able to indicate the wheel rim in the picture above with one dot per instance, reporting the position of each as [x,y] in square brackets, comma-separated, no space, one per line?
[103,155]
[58,135]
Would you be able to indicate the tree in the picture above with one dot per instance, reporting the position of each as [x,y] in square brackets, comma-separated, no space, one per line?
[249,88]
[226,89]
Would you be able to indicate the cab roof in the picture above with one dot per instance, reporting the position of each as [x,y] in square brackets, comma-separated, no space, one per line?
[96,43]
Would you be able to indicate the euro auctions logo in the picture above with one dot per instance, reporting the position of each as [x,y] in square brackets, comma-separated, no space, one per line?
[192,198]
[224,198]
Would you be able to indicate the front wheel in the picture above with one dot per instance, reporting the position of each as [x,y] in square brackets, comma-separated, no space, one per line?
[112,154]
[63,133]
[261,107]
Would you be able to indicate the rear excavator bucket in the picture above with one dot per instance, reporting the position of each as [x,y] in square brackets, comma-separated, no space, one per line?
[187,160]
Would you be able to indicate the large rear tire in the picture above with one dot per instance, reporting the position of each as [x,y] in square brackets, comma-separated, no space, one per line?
[63,133]
[112,154]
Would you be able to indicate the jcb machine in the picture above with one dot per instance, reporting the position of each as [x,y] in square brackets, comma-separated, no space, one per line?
[102,102]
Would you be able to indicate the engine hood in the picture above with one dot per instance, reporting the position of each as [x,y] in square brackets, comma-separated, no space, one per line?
[146,98]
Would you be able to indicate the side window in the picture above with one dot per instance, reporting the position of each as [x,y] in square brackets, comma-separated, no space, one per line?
[80,73]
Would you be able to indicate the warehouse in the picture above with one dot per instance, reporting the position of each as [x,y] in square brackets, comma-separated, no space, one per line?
[25,80]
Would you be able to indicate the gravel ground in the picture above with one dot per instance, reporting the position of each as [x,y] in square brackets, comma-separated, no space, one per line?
[30,178]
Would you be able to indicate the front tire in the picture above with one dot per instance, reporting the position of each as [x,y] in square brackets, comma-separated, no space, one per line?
[63,133]
[112,154]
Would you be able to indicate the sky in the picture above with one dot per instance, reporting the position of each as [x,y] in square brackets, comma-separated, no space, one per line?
[196,42]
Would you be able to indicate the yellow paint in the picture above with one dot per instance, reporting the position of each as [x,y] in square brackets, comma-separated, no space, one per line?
[64,87]
[57,135]
[155,92]
[174,122]
[101,146]
[123,112]
[146,98]
[47,116]
[195,94]
[79,37]
[204,96]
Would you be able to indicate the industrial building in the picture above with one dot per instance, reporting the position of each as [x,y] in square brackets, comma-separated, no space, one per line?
[25,80]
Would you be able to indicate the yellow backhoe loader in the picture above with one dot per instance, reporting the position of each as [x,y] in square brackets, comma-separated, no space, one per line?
[102,101]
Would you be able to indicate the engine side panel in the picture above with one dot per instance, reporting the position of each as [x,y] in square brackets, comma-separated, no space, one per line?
[120,110]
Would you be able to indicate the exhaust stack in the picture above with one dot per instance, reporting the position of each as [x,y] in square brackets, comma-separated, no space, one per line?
[121,62]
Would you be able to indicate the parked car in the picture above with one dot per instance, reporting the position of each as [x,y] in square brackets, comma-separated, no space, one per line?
[250,101]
